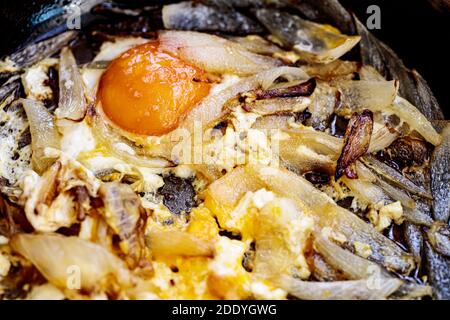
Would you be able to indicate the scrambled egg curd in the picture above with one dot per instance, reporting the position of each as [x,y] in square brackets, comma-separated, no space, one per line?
[260,217]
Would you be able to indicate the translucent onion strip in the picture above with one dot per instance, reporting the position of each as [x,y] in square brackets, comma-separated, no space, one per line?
[339,290]
[55,255]
[43,133]
[72,103]
[214,54]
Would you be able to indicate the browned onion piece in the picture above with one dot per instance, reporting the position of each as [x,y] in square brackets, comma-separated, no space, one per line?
[303,89]
[72,103]
[304,151]
[125,216]
[57,256]
[339,290]
[353,266]
[43,133]
[278,106]
[356,143]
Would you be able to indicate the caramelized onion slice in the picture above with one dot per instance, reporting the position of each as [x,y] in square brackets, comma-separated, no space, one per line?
[356,143]
[415,119]
[214,54]
[364,94]
[56,257]
[339,290]
[72,103]
[43,133]
[353,266]
[303,89]
[124,214]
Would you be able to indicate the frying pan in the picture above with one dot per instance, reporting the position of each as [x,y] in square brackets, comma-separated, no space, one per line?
[414,29]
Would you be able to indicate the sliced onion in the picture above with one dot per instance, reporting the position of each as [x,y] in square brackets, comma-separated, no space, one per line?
[72,103]
[321,270]
[257,44]
[394,176]
[43,133]
[178,243]
[212,107]
[298,157]
[365,190]
[278,105]
[224,194]
[329,214]
[391,191]
[367,72]
[123,213]
[339,290]
[404,109]
[325,100]
[272,122]
[353,266]
[228,57]
[381,138]
[337,68]
[58,257]
[320,142]
[415,119]
[314,42]
[362,94]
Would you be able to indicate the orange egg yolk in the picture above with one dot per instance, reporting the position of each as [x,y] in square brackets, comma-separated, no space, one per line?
[148,91]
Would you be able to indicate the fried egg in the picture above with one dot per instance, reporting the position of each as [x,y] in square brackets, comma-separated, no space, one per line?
[142,94]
